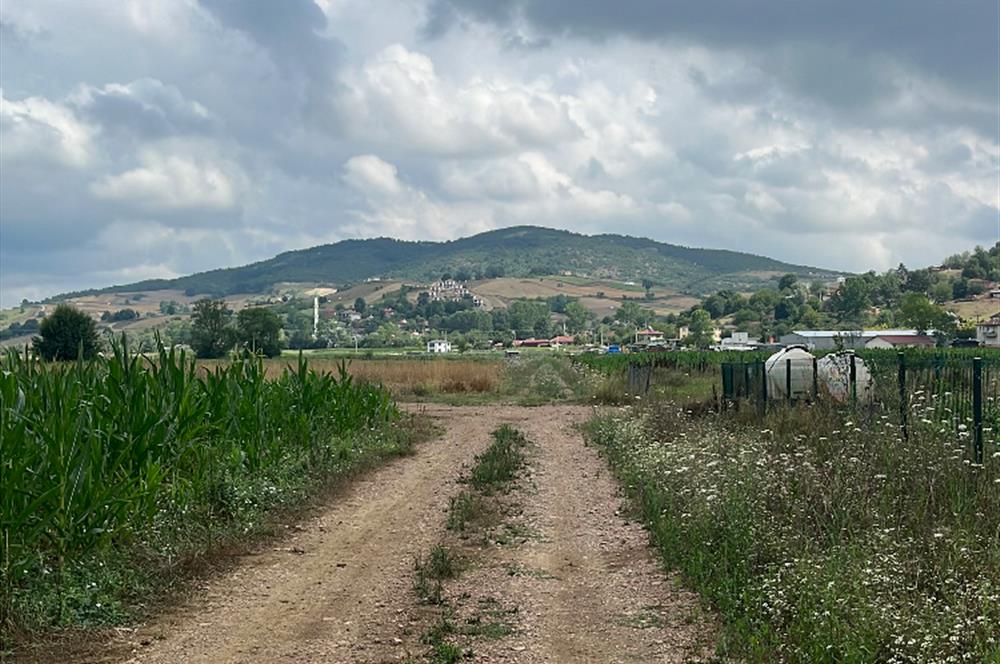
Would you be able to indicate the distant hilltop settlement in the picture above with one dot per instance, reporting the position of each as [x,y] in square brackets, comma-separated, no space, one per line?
[451,290]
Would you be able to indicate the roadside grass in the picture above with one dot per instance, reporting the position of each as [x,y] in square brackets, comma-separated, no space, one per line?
[541,379]
[531,379]
[114,587]
[413,377]
[820,535]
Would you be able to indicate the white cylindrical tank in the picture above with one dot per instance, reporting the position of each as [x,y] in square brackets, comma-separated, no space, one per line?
[776,367]
[835,377]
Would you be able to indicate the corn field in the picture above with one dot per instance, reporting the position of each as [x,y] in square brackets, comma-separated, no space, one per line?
[92,454]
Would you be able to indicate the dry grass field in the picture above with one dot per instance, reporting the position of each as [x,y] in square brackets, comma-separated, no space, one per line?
[424,376]
[410,377]
[979,309]
[499,292]
[370,292]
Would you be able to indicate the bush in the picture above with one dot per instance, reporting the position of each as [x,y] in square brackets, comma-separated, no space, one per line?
[67,334]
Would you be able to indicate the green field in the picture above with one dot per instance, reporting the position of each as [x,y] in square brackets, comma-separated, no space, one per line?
[117,471]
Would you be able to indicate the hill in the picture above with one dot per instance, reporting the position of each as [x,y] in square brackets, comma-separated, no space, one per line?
[512,252]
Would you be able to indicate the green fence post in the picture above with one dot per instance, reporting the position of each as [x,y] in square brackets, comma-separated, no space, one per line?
[762,406]
[977,410]
[788,379]
[854,381]
[815,379]
[901,361]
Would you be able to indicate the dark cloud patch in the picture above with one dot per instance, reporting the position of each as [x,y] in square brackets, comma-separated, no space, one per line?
[145,107]
[18,35]
[846,54]
[954,39]
[291,31]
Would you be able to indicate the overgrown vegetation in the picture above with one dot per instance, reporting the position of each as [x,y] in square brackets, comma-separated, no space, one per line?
[497,467]
[119,470]
[821,535]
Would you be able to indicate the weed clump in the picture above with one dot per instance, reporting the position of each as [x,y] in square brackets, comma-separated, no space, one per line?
[469,510]
[500,463]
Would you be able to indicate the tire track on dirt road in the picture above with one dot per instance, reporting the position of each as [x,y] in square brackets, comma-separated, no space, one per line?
[581,583]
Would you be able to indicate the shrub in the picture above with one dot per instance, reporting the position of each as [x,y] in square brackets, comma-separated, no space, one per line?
[67,334]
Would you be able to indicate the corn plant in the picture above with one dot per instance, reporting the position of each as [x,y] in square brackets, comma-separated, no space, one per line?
[92,451]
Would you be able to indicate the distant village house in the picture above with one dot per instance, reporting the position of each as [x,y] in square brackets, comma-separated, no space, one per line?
[439,346]
[853,339]
[988,332]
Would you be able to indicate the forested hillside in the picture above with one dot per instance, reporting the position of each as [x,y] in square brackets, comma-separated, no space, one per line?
[516,252]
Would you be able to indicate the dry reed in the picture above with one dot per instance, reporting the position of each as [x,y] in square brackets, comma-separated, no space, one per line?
[416,376]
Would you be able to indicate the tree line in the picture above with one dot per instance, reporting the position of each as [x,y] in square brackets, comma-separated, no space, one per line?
[68,333]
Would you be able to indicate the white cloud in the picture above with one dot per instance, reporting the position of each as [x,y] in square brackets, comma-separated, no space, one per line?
[764,202]
[371,175]
[36,129]
[171,182]
[146,106]
[402,211]
[397,96]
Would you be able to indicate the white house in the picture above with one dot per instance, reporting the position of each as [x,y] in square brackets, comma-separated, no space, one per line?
[888,341]
[849,339]
[439,346]
[739,341]
[988,332]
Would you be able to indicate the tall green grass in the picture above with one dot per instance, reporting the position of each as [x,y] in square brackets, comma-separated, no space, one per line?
[128,452]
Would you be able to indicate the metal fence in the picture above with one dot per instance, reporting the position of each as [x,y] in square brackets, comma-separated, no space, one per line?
[942,392]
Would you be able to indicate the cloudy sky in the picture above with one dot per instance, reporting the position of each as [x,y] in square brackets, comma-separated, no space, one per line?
[154,138]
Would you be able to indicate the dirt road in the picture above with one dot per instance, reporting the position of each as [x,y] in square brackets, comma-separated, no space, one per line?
[584,587]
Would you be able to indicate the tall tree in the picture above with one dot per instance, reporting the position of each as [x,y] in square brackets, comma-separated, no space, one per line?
[211,335]
[919,312]
[700,329]
[259,331]
[787,281]
[577,317]
[67,334]
[630,313]
[852,299]
[359,305]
